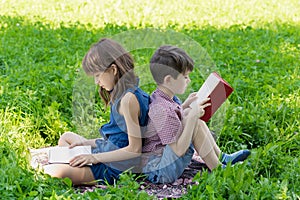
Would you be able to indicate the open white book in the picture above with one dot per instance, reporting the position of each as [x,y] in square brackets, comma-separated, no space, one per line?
[65,154]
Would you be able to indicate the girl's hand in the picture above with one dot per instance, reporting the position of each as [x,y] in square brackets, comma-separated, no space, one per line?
[76,144]
[197,110]
[192,97]
[83,143]
[82,160]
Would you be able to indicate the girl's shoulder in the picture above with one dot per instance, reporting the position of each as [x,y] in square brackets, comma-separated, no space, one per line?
[137,95]
[129,98]
[128,103]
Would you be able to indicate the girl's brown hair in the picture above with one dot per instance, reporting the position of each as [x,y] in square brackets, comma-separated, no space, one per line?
[100,57]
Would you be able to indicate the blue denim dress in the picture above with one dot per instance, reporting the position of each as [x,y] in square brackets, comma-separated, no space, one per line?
[114,136]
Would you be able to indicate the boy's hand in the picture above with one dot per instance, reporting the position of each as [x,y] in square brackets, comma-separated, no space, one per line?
[192,97]
[198,109]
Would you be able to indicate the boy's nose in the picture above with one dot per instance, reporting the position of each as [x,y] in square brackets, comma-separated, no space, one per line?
[188,80]
[97,80]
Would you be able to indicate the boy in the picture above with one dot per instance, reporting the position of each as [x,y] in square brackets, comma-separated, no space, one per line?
[174,129]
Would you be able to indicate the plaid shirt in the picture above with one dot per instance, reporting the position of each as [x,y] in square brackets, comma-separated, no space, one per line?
[165,122]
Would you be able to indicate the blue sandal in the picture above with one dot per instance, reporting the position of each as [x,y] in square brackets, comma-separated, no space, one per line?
[235,157]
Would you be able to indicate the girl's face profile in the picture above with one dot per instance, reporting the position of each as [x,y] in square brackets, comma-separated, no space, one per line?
[106,78]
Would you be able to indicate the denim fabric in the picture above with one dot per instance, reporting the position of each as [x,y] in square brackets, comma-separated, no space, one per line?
[101,171]
[168,167]
[115,137]
[110,171]
[116,129]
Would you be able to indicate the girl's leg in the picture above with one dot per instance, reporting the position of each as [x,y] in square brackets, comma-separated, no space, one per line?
[70,138]
[78,175]
[205,145]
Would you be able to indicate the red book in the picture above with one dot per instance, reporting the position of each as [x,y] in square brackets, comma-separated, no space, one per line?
[218,90]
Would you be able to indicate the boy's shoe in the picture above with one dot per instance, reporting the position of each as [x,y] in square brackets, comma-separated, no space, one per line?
[235,157]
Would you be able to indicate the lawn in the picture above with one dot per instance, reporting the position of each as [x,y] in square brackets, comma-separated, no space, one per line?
[254,45]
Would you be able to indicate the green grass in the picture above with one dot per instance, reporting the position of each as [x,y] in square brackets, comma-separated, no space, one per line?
[255,45]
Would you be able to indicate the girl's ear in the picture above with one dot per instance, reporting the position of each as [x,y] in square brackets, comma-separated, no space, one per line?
[115,69]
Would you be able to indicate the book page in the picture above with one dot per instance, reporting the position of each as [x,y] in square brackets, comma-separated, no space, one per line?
[65,154]
[208,86]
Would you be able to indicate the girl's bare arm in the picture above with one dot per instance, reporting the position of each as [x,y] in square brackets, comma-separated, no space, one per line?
[130,109]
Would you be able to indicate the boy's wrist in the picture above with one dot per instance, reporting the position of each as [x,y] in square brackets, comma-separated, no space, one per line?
[192,116]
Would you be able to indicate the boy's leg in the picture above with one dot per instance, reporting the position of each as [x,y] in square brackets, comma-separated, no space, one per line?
[211,160]
[70,138]
[168,167]
[205,145]
[204,141]
[78,175]
[206,131]
[210,137]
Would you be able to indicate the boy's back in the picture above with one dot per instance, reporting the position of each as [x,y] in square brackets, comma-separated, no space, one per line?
[165,122]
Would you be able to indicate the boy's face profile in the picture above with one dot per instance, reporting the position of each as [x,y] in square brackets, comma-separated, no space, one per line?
[179,85]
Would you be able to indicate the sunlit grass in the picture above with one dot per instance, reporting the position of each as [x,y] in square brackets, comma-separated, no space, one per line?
[157,13]
[253,44]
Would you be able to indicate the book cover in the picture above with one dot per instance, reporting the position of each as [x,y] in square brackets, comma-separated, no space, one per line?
[65,154]
[218,90]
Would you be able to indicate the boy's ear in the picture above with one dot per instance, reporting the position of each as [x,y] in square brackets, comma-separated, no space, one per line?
[167,79]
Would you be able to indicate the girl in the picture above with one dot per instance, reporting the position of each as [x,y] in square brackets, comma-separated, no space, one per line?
[120,147]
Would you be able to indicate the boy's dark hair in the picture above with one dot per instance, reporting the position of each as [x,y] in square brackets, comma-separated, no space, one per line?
[169,60]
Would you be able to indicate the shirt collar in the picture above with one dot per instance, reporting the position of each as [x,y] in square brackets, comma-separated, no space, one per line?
[163,95]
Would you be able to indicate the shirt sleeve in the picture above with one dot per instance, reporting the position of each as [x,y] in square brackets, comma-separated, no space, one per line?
[166,122]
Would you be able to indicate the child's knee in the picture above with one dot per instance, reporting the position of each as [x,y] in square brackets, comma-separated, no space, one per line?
[64,138]
[54,171]
[198,129]
[201,123]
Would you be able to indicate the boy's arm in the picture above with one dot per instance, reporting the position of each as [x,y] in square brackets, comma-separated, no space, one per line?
[182,144]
